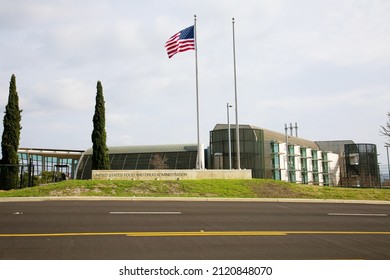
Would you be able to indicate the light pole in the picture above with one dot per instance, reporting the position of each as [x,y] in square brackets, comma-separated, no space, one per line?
[228,106]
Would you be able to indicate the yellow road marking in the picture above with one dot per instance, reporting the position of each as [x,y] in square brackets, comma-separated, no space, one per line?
[61,234]
[207,233]
[248,233]
[195,233]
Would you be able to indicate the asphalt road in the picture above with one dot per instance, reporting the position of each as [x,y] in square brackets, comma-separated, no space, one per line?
[184,230]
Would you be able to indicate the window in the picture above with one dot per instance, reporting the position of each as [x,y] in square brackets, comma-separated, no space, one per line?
[275,155]
[314,161]
[326,179]
[303,153]
[291,158]
[275,162]
[274,147]
[304,170]
[316,180]
[276,175]
[314,156]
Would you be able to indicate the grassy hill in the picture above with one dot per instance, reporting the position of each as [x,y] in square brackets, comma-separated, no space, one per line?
[255,188]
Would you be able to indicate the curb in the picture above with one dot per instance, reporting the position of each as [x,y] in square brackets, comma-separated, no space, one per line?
[194,199]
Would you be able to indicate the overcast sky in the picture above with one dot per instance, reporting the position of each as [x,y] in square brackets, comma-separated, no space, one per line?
[322,64]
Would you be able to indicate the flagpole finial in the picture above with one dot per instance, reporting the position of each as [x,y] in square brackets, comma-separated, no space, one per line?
[195,17]
[233,19]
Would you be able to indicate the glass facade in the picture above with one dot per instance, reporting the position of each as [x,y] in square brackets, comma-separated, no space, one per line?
[291,164]
[265,153]
[325,169]
[143,158]
[251,149]
[276,168]
[361,166]
[315,167]
[64,161]
[304,166]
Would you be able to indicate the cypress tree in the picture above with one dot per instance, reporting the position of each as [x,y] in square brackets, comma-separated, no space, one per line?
[100,158]
[10,139]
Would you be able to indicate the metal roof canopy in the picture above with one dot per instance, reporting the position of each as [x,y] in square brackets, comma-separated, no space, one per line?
[59,153]
[270,135]
[140,149]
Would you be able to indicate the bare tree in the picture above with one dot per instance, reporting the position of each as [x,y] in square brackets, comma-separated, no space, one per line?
[385,130]
[158,162]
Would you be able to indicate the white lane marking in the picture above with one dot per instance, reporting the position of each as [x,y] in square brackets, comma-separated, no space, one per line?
[358,214]
[145,213]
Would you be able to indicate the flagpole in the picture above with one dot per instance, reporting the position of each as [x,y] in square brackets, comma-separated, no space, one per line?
[236,101]
[198,161]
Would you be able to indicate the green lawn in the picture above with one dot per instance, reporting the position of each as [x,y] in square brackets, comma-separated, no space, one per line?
[255,188]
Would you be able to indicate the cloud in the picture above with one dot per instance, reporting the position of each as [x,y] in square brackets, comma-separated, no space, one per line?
[307,61]
[58,96]
[352,34]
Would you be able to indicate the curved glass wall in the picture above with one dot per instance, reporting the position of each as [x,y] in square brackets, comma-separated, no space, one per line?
[143,158]
[251,149]
[361,166]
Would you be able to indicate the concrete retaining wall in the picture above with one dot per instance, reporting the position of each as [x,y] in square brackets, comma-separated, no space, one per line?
[170,174]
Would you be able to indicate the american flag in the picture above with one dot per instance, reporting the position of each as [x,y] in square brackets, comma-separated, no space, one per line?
[180,42]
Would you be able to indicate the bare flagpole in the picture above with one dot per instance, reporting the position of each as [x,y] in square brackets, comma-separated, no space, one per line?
[198,160]
[236,100]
